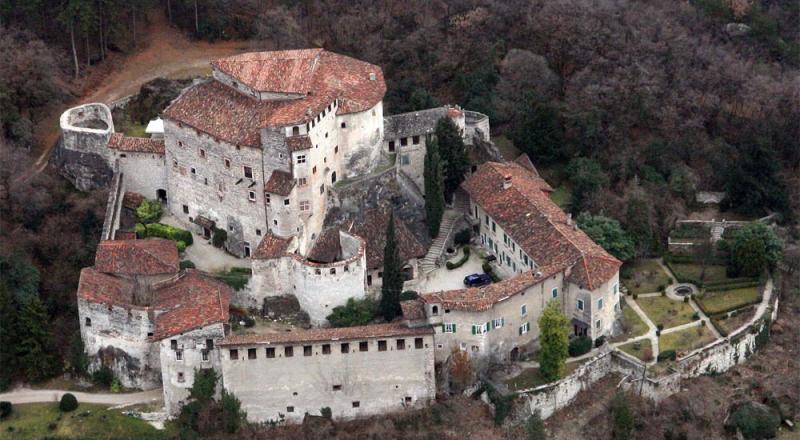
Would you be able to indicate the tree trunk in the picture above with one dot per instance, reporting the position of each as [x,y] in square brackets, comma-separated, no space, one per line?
[74,50]
[169,11]
[196,19]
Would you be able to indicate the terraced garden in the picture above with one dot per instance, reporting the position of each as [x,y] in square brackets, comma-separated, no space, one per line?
[641,349]
[632,324]
[685,340]
[667,312]
[714,302]
[644,276]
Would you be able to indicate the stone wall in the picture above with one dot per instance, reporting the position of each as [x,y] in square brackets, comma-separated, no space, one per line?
[476,126]
[144,173]
[180,361]
[351,384]
[82,156]
[360,139]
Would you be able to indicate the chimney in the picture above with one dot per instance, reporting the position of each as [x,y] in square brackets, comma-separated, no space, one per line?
[569,219]
[507,181]
[372,76]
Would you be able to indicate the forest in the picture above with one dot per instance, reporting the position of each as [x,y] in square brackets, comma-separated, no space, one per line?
[632,105]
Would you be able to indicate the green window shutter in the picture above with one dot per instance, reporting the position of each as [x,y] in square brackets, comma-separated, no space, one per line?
[442,328]
[488,326]
[473,329]
[454,328]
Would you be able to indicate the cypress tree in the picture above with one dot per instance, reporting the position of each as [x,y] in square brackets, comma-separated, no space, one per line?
[392,274]
[434,190]
[35,347]
[455,162]
[554,342]
[8,337]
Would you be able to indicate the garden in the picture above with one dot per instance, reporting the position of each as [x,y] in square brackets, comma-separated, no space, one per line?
[666,312]
[644,276]
[714,302]
[632,325]
[532,377]
[643,350]
[685,340]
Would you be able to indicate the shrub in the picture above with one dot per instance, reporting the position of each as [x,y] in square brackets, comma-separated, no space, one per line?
[149,211]
[326,412]
[599,341]
[658,332]
[354,312]
[635,296]
[116,387]
[661,288]
[6,408]
[103,376]
[660,326]
[663,292]
[140,230]
[169,232]
[686,299]
[623,423]
[667,355]
[463,237]
[535,427]
[695,316]
[460,262]
[754,421]
[219,238]
[580,345]
[187,264]
[647,354]
[236,279]
[408,295]
[68,403]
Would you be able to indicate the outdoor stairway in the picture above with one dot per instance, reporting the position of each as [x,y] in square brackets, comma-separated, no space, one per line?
[431,260]
[716,232]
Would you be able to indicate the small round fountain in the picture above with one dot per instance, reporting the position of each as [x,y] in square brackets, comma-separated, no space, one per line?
[684,289]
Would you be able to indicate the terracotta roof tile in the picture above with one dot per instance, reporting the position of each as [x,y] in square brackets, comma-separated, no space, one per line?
[372,228]
[477,299]
[137,257]
[413,309]
[132,200]
[390,330]
[298,143]
[280,183]
[123,143]
[189,301]
[539,226]
[227,114]
[98,287]
[271,246]
[327,247]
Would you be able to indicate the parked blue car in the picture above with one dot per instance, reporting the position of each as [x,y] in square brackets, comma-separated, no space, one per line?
[477,280]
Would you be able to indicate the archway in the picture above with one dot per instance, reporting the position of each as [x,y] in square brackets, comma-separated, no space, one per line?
[161,195]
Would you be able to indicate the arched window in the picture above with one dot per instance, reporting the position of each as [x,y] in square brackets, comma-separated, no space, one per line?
[295,131]
[88,322]
[435,310]
[333,177]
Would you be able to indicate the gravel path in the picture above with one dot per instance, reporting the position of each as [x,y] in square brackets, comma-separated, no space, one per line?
[27,395]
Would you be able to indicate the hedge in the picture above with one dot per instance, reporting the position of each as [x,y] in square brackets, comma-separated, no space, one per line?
[667,355]
[734,284]
[460,262]
[187,264]
[579,346]
[181,237]
[487,269]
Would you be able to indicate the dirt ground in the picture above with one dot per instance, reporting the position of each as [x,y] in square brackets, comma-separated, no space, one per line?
[166,52]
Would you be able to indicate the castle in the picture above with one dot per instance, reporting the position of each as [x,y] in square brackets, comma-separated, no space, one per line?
[257,150]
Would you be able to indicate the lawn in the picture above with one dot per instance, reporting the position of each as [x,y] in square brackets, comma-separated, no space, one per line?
[685,340]
[632,325]
[729,325]
[667,312]
[644,351]
[531,377]
[39,420]
[712,274]
[724,300]
[644,276]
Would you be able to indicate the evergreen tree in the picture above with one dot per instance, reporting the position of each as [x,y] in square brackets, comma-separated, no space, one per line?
[34,347]
[608,233]
[623,425]
[8,337]
[78,361]
[554,342]
[535,427]
[232,415]
[453,154]
[434,188]
[587,176]
[392,285]
[538,134]
[204,385]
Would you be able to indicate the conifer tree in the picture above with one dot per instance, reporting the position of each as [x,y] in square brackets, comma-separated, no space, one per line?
[8,338]
[554,342]
[434,188]
[34,346]
[453,154]
[392,285]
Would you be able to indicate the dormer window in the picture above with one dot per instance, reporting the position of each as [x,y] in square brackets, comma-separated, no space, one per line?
[295,131]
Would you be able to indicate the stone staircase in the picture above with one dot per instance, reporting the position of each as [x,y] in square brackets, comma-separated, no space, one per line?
[431,260]
[716,232]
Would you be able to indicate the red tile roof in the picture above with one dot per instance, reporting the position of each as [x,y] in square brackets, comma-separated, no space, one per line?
[319,75]
[413,309]
[372,228]
[298,143]
[189,301]
[98,287]
[390,330]
[280,183]
[137,257]
[476,299]
[127,144]
[271,246]
[327,247]
[132,200]
[536,224]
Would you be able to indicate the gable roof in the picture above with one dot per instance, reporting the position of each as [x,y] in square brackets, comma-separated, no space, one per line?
[271,246]
[189,301]
[98,287]
[150,256]
[280,183]
[372,228]
[319,76]
[526,213]
[129,144]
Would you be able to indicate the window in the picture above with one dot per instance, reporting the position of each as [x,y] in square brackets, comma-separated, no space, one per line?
[322,189]
[251,195]
[288,352]
[408,399]
[307,350]
[258,232]
[305,205]
[356,404]
[289,409]
[486,218]
[227,162]
[598,323]
[248,172]
[88,322]
[345,347]
[555,292]
[174,163]
[204,354]
[381,345]
[363,346]
[326,348]
[405,160]
[494,226]
[418,343]
[295,131]
[301,158]
[251,353]
[178,355]
[234,354]
[193,170]
[270,352]
[333,271]
[336,150]
[180,144]
[286,202]
[415,140]
[434,309]
[337,387]
[524,328]
[401,344]
[580,304]
[616,288]
[391,146]
[449,327]
[180,377]
[523,310]
[478,329]
[302,181]
[209,344]
[266,199]
[173,344]
[314,170]
[403,142]
[600,304]
[344,124]
[202,153]
[498,323]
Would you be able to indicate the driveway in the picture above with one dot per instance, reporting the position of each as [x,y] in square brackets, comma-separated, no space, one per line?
[27,395]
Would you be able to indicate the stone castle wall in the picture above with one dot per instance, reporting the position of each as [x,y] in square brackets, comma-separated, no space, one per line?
[82,156]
